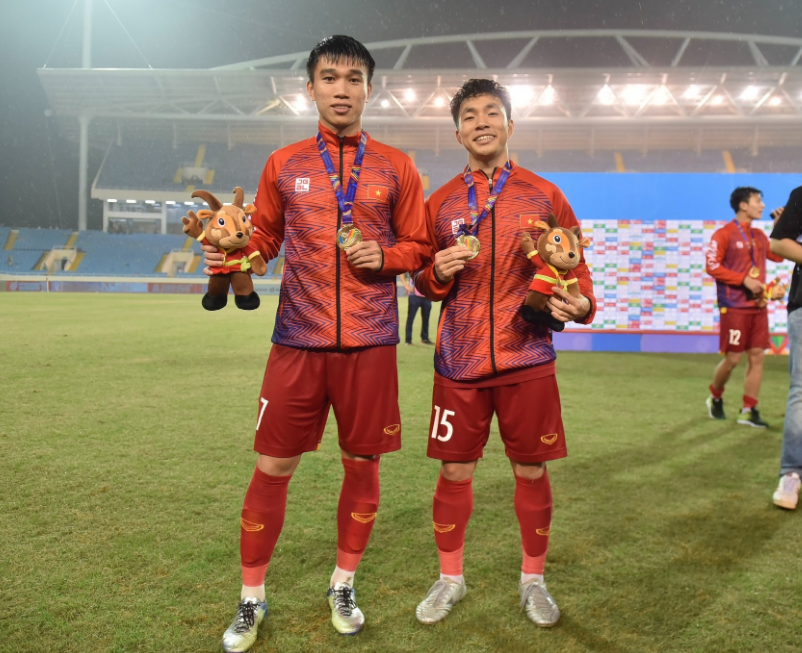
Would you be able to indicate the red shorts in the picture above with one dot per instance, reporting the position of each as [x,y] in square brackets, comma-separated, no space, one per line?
[300,386]
[529,419]
[743,328]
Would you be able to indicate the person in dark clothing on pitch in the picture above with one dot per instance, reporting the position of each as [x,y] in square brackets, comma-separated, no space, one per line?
[416,301]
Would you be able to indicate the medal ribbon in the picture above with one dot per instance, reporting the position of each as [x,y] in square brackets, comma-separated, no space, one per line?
[346,202]
[476,219]
[750,243]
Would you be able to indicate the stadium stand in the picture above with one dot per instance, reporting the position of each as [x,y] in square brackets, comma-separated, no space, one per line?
[159,167]
[41,240]
[156,166]
[104,254]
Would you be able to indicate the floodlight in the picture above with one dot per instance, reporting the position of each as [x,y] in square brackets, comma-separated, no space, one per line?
[130,201]
[775,101]
[521,96]
[111,201]
[409,95]
[189,203]
[719,99]
[606,95]
[548,95]
[749,93]
[385,104]
[439,101]
[169,202]
[692,92]
[634,93]
[150,201]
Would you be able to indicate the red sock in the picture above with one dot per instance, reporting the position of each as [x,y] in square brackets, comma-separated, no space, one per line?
[356,512]
[451,511]
[749,402]
[533,509]
[260,524]
[716,392]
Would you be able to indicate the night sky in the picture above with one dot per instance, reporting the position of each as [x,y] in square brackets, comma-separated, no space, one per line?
[38,173]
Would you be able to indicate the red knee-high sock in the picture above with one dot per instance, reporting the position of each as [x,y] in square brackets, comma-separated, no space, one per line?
[356,512]
[260,524]
[451,511]
[533,509]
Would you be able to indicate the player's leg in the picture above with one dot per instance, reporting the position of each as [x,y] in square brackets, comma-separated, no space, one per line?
[291,415]
[787,493]
[363,387]
[531,438]
[757,341]
[731,345]
[425,312]
[412,310]
[459,428]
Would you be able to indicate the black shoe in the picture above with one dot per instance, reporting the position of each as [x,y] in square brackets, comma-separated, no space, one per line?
[426,342]
[214,302]
[751,418]
[715,408]
[248,302]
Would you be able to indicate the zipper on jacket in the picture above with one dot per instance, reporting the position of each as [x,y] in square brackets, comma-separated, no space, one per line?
[337,250]
[492,276]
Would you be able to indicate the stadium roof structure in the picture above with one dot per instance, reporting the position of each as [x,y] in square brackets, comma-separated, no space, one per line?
[622,90]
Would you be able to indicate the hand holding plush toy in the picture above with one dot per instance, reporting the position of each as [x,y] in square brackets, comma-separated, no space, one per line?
[774,290]
[229,228]
[557,253]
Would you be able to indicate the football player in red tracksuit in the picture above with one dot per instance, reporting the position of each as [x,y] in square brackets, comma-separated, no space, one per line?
[487,358]
[736,258]
[336,331]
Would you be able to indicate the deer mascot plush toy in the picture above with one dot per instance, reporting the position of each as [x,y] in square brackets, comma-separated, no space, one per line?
[228,228]
[557,253]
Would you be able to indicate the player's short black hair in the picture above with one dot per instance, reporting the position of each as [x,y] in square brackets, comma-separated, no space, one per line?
[742,194]
[337,47]
[473,88]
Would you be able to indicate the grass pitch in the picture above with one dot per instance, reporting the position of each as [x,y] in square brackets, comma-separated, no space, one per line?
[126,429]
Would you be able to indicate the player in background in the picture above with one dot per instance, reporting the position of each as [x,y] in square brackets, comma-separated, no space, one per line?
[336,330]
[736,259]
[487,358]
[785,242]
[416,301]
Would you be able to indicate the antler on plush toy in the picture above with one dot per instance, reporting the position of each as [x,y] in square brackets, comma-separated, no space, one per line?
[228,228]
[557,253]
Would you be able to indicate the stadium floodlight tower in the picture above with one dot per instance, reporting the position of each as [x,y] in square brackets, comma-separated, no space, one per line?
[583,90]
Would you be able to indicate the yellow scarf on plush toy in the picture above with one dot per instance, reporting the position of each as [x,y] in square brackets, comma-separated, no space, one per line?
[557,279]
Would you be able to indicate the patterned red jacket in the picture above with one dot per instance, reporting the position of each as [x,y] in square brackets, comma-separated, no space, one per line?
[325,303]
[728,260]
[481,334]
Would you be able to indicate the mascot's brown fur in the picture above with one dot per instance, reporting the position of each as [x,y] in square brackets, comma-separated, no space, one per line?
[558,252]
[228,228]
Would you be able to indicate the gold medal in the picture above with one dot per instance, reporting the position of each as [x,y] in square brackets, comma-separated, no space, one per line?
[754,272]
[471,242]
[348,236]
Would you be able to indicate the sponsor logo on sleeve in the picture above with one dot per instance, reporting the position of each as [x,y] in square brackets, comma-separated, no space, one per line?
[302,185]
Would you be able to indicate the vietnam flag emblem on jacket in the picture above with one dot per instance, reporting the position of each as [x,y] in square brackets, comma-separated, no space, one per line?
[378,193]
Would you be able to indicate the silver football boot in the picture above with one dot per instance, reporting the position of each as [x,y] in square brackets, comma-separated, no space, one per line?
[539,604]
[346,617]
[241,634]
[442,596]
